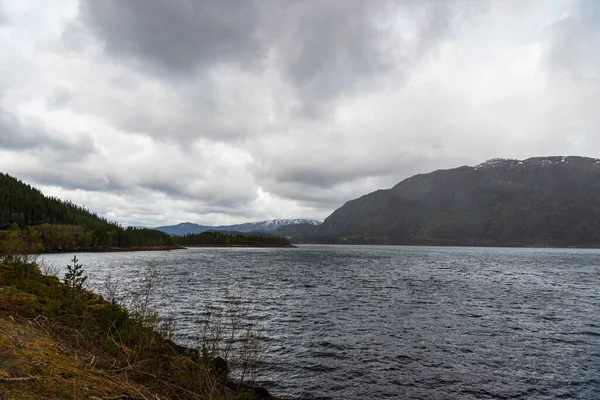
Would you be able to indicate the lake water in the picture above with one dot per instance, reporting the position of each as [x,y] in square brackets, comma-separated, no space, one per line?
[367,322]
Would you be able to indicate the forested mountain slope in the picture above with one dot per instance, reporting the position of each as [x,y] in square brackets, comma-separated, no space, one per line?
[231,239]
[543,201]
[62,225]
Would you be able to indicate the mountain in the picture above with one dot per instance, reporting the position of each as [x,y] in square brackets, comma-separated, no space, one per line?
[541,201]
[183,228]
[298,232]
[61,225]
[262,226]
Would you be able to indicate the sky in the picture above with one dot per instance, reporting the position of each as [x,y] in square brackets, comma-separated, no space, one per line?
[153,112]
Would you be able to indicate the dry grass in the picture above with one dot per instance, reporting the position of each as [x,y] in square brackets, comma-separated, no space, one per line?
[56,370]
[52,347]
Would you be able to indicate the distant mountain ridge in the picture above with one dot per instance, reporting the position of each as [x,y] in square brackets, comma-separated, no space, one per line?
[540,201]
[260,226]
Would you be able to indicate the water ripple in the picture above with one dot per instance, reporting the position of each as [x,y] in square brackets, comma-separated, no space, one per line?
[345,322]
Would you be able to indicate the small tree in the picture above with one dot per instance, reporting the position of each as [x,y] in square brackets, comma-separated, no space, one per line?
[74,278]
[21,249]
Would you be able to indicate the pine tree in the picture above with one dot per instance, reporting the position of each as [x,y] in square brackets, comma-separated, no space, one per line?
[74,278]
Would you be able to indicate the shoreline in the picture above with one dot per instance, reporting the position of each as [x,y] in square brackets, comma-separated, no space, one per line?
[73,360]
[115,249]
[155,248]
[290,246]
[295,245]
[488,246]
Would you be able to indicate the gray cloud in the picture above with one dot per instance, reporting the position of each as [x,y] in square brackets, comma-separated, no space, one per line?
[60,98]
[327,167]
[29,133]
[154,112]
[74,179]
[221,197]
[342,46]
[16,136]
[575,43]
[177,36]
[322,49]
[329,48]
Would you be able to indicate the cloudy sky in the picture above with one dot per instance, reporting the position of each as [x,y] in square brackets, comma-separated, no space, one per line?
[154,112]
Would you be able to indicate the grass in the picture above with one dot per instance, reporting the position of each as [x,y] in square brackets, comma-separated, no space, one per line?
[56,369]
[77,346]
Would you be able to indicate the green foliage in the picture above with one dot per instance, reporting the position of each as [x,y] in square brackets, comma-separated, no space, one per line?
[20,251]
[63,226]
[74,278]
[221,238]
[20,246]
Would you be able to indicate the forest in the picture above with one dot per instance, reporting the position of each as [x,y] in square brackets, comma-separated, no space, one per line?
[56,225]
[231,239]
[33,222]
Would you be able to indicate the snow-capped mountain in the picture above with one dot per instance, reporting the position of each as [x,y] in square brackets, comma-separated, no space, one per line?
[270,225]
[264,226]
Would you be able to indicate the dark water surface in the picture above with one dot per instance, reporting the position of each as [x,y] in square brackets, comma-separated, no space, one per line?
[366,322]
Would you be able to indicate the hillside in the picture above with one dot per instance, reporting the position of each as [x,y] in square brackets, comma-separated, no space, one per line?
[261,226]
[231,239]
[183,228]
[298,232]
[59,341]
[542,201]
[61,225]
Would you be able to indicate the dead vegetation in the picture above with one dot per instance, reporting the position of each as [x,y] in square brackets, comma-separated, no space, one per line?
[57,342]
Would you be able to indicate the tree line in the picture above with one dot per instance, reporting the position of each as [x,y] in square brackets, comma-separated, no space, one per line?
[61,225]
[221,238]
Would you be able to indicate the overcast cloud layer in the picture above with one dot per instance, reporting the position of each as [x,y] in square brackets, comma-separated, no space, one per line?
[155,112]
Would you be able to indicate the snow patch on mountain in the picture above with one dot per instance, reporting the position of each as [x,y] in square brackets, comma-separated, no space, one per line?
[265,226]
[535,161]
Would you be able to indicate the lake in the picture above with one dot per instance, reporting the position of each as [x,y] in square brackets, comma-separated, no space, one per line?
[387,322]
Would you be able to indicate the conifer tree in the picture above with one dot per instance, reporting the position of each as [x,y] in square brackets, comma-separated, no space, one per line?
[74,278]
